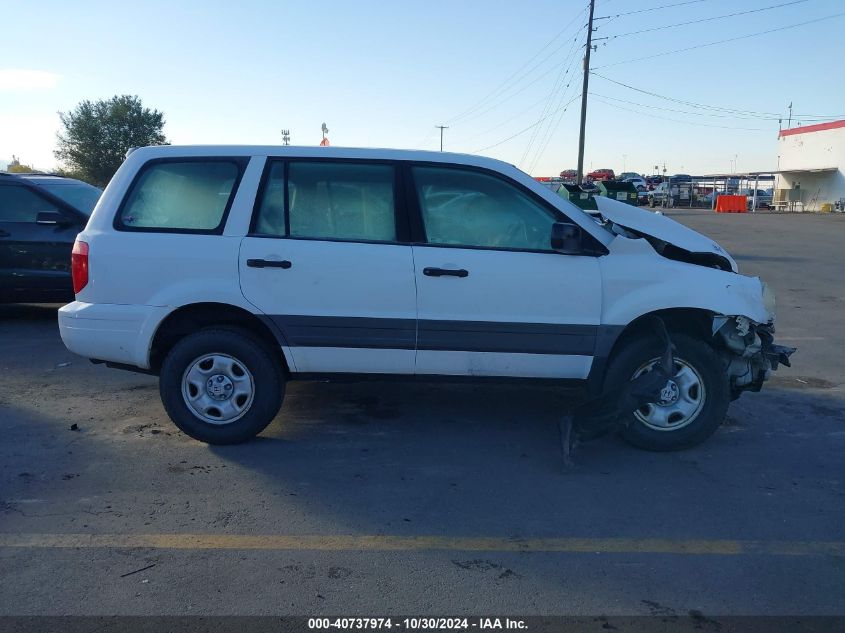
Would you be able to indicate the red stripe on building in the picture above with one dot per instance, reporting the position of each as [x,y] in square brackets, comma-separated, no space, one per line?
[819,127]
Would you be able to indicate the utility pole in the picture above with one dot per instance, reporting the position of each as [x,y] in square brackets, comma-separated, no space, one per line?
[441,127]
[286,137]
[580,178]
[789,125]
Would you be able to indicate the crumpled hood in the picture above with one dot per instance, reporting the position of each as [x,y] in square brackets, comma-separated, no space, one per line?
[659,226]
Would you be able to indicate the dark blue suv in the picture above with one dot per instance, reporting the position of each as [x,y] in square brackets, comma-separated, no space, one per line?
[40,215]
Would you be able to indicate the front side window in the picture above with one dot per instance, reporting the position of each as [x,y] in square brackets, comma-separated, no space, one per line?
[347,201]
[187,195]
[19,204]
[468,208]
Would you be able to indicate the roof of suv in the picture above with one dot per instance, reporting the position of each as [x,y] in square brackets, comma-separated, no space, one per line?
[165,151]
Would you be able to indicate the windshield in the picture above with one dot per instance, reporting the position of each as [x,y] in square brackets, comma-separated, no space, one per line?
[80,195]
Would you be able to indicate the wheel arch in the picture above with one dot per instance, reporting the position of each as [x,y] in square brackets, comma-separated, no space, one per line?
[195,316]
[692,321]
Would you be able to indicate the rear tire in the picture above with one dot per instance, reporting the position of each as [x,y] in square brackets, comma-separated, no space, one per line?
[701,392]
[221,386]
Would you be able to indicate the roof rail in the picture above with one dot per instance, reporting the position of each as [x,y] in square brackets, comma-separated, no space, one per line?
[32,173]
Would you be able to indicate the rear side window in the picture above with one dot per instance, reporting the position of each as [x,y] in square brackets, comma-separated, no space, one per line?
[329,200]
[192,196]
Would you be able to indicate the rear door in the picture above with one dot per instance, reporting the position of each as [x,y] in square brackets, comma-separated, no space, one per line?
[493,298]
[34,258]
[327,260]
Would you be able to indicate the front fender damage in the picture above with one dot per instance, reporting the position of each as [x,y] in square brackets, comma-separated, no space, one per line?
[750,351]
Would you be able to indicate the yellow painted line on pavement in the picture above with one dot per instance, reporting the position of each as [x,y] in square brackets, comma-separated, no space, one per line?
[384,543]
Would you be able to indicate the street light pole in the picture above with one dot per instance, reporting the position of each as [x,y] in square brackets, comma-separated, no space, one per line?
[586,85]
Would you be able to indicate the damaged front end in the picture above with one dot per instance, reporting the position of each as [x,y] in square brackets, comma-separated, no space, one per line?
[751,353]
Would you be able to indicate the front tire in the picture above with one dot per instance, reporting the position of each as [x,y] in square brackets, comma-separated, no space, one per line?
[695,401]
[221,386]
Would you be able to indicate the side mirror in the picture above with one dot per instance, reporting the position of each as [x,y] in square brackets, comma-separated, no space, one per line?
[566,238]
[51,218]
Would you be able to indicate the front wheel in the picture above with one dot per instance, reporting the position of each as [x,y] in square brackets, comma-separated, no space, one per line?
[221,386]
[691,405]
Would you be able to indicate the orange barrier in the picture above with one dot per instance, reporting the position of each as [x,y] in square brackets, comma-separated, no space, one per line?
[731,204]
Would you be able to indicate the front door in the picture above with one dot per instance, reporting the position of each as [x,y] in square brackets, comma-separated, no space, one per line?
[493,299]
[324,261]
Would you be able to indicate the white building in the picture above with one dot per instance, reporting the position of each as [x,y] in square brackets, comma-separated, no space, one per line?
[811,163]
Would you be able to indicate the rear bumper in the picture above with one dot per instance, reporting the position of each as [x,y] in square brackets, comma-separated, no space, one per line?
[110,332]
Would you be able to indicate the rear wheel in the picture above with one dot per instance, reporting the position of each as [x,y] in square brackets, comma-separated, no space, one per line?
[691,405]
[221,386]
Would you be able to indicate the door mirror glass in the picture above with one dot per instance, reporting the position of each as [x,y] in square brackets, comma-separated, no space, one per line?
[51,218]
[566,238]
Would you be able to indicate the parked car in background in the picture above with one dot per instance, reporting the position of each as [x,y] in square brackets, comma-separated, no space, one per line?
[659,194]
[707,198]
[40,216]
[228,271]
[625,175]
[601,174]
[569,175]
[764,198]
[552,183]
[638,182]
[653,181]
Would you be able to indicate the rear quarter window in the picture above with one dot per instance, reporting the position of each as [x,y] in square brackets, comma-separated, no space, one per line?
[181,196]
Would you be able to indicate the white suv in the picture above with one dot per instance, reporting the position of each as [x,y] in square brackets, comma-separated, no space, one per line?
[228,271]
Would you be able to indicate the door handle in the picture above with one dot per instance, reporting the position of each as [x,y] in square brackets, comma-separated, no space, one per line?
[445,272]
[268,263]
[5,233]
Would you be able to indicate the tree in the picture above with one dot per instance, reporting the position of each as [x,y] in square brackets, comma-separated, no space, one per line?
[97,135]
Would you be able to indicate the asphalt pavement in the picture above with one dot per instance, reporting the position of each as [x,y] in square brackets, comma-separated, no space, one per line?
[379,498]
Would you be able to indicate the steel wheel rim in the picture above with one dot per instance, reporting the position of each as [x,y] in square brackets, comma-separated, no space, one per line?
[684,394]
[218,388]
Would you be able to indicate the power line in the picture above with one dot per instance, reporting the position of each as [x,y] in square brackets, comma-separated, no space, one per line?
[511,96]
[750,113]
[700,20]
[557,94]
[502,88]
[696,123]
[523,131]
[549,135]
[553,124]
[665,6]
[502,123]
[731,39]
[720,116]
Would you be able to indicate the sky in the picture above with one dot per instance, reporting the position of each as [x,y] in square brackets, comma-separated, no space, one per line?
[505,77]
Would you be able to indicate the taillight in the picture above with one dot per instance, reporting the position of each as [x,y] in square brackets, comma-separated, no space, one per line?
[79,265]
